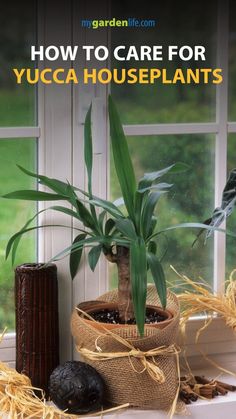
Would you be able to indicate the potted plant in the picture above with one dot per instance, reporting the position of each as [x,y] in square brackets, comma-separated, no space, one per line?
[126,236]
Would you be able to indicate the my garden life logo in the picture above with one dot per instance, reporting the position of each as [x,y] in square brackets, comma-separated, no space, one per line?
[131,22]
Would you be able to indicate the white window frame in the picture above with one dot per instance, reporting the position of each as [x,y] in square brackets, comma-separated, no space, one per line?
[61,112]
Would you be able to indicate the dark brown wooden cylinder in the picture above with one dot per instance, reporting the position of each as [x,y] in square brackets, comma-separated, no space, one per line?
[37,329]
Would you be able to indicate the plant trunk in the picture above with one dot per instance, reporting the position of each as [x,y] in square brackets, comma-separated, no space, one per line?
[125,304]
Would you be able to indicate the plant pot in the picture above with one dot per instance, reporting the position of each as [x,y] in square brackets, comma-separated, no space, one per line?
[127,381]
[37,329]
[92,307]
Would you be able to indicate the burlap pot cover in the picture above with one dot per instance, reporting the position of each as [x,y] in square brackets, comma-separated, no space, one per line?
[124,379]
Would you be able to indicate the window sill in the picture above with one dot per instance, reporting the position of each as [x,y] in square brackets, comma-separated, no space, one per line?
[217,408]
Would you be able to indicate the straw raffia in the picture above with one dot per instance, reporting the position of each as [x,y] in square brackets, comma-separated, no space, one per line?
[202,299]
[19,400]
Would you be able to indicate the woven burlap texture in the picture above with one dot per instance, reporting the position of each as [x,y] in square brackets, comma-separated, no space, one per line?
[123,383]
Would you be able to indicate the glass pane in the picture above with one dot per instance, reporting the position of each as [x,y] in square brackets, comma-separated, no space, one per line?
[232,62]
[17,34]
[191,199]
[231,222]
[176,24]
[13,215]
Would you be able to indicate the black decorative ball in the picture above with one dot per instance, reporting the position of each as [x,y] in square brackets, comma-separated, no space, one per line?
[77,387]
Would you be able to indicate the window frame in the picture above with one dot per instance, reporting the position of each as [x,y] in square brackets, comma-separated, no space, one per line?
[61,114]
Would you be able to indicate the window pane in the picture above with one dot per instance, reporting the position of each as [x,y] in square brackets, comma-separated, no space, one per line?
[175,25]
[231,222]
[17,34]
[13,215]
[232,62]
[191,199]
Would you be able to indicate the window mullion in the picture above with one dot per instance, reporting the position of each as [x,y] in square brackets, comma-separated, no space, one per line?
[54,153]
[221,137]
[88,285]
[19,132]
[171,129]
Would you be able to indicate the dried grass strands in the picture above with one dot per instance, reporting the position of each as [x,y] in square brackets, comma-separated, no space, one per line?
[18,398]
[19,401]
[203,300]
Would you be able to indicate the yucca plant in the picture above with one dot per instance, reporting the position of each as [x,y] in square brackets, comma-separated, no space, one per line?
[125,234]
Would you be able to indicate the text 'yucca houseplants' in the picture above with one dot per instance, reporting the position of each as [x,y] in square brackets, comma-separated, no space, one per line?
[126,237]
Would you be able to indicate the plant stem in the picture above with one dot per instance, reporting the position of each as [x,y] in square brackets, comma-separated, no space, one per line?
[125,303]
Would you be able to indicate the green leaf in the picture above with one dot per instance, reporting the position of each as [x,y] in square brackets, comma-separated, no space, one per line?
[110,224]
[178,167]
[228,204]
[16,242]
[126,227]
[108,206]
[88,157]
[157,187]
[158,277]
[75,246]
[71,195]
[138,270]
[65,190]
[193,225]
[75,257]
[94,255]
[122,160]
[88,148]
[65,210]
[85,216]
[54,184]
[30,195]
[26,230]
[148,210]
[149,178]
[101,218]
[153,225]
[140,200]
[152,247]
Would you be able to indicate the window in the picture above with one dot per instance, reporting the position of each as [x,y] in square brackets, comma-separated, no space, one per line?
[187,123]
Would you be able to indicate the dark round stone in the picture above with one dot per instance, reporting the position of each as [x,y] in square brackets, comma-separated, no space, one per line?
[76,386]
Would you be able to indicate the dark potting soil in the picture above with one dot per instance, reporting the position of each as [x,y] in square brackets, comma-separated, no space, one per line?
[112,316]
